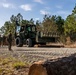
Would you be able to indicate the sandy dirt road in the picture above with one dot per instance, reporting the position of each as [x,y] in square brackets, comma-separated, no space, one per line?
[33,54]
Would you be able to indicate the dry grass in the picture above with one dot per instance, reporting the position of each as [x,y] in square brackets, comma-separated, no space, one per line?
[12,66]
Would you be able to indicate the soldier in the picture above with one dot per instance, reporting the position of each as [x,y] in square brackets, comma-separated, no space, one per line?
[9,40]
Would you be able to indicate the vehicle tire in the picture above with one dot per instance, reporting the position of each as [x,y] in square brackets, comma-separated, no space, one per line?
[19,42]
[29,43]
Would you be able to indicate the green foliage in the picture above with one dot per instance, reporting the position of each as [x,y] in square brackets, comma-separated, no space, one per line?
[17,18]
[8,26]
[70,25]
[49,24]
[31,21]
[38,25]
[2,30]
[74,10]
[60,24]
[13,18]
[24,22]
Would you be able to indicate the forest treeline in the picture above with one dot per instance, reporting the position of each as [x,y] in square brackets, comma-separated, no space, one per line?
[50,23]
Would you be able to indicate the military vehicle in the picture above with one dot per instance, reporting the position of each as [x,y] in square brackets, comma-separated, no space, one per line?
[29,35]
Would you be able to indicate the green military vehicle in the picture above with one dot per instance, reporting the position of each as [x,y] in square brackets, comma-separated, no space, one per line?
[29,35]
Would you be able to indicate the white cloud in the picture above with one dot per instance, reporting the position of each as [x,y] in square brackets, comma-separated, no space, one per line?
[37,18]
[39,1]
[43,12]
[26,7]
[7,5]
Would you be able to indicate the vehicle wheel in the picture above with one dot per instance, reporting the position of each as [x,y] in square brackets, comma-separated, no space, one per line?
[19,42]
[29,43]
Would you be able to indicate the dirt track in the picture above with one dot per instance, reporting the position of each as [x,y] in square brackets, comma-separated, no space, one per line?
[30,55]
[35,54]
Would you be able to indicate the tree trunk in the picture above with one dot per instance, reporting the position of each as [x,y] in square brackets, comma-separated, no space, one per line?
[62,66]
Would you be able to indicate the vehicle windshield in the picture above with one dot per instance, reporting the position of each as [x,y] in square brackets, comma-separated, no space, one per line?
[18,29]
[31,28]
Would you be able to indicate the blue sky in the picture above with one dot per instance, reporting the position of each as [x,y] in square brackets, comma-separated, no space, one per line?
[35,9]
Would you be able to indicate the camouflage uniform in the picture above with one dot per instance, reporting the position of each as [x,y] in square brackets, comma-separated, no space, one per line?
[9,39]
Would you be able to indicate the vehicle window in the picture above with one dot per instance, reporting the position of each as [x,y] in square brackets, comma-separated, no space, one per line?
[29,28]
[18,29]
[33,28]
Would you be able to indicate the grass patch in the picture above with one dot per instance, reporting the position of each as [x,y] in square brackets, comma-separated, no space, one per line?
[5,61]
[10,66]
[13,62]
[19,65]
